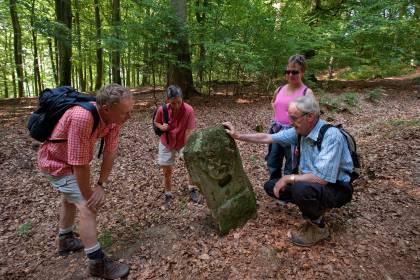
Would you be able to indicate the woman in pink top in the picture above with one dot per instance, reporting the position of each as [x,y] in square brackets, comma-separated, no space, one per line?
[283,96]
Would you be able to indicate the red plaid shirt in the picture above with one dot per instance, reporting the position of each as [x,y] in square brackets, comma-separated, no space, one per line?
[76,126]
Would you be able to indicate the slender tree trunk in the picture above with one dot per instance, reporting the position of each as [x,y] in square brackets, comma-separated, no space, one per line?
[51,53]
[115,53]
[179,71]
[17,41]
[128,69]
[99,60]
[38,86]
[201,18]
[64,41]
[82,82]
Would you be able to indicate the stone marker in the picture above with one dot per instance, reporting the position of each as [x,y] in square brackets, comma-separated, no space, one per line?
[215,166]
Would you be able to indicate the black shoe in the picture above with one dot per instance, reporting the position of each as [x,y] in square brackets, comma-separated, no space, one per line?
[108,269]
[168,197]
[195,195]
[69,244]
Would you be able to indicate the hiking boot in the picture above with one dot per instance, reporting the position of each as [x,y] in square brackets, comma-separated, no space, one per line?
[107,268]
[168,197]
[309,234]
[69,244]
[195,195]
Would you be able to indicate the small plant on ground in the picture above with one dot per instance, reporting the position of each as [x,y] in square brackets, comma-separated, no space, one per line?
[330,103]
[25,228]
[351,98]
[105,238]
[375,95]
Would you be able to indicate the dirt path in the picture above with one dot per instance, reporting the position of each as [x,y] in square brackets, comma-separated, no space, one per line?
[376,236]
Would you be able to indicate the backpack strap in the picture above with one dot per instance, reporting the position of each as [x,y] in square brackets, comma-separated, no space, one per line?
[305,90]
[166,119]
[321,134]
[92,109]
[297,154]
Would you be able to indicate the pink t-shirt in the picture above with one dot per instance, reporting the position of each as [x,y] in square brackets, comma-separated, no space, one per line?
[281,104]
[76,126]
[177,126]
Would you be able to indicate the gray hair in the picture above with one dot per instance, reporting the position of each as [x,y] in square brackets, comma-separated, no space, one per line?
[112,94]
[173,91]
[298,59]
[306,104]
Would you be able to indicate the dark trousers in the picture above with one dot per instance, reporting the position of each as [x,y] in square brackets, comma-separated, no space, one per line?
[313,199]
[276,154]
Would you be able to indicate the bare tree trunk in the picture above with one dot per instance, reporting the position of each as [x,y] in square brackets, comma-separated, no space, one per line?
[201,18]
[38,86]
[99,60]
[179,71]
[64,41]
[115,53]
[82,82]
[51,53]
[17,42]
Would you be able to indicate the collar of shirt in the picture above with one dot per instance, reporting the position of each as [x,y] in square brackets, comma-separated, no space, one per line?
[313,135]
[180,113]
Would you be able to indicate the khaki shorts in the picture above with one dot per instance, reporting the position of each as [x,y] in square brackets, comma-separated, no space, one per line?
[166,157]
[68,187]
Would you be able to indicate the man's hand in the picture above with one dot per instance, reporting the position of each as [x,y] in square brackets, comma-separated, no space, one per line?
[164,127]
[97,199]
[280,186]
[230,130]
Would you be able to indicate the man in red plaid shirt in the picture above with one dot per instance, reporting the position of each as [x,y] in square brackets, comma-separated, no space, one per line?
[67,166]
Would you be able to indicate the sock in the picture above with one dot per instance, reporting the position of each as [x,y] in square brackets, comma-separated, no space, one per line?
[65,233]
[95,252]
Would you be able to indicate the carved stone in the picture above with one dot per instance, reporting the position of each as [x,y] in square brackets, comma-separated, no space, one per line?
[215,166]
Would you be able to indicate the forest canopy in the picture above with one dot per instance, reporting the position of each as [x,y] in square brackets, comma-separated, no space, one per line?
[88,43]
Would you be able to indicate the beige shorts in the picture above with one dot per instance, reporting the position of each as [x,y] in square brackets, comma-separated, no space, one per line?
[167,157]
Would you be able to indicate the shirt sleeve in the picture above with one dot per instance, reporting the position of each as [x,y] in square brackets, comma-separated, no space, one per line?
[287,136]
[111,139]
[191,124]
[159,115]
[78,140]
[327,163]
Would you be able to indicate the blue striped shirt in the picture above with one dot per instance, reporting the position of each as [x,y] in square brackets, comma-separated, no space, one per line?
[332,162]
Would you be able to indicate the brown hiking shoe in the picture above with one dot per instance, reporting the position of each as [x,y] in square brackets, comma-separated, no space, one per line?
[107,268]
[309,234]
[69,244]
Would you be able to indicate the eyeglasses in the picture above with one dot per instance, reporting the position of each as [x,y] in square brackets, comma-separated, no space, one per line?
[293,72]
[295,118]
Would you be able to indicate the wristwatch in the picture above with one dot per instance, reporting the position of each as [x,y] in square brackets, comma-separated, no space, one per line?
[292,177]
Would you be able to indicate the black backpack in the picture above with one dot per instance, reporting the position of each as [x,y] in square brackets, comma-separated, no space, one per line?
[157,131]
[351,144]
[53,103]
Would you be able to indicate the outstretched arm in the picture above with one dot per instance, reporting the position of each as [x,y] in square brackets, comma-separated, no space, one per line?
[260,138]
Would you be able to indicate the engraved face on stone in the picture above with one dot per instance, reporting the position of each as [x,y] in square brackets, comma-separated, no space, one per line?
[217,161]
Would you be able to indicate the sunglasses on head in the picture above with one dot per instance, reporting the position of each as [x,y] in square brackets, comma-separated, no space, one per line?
[293,72]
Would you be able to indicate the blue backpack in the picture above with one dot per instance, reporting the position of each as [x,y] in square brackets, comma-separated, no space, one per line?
[53,103]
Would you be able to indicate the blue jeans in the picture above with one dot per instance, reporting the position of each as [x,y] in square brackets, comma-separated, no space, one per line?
[274,158]
[313,199]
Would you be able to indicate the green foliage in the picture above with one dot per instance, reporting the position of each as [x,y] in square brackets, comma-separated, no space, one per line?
[25,228]
[374,95]
[351,98]
[405,123]
[330,102]
[105,238]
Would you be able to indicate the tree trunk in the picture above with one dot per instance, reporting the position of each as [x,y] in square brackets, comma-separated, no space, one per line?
[51,53]
[38,86]
[201,18]
[64,41]
[99,60]
[179,71]
[115,53]
[82,82]
[17,42]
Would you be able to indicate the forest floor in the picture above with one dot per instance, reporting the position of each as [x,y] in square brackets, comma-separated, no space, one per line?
[376,236]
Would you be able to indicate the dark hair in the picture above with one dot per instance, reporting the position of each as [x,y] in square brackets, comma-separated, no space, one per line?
[298,59]
[173,91]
